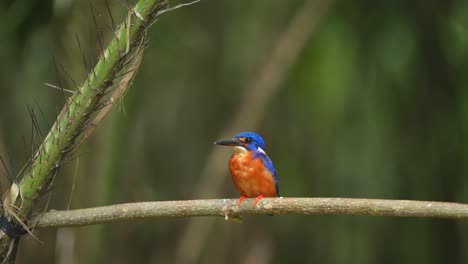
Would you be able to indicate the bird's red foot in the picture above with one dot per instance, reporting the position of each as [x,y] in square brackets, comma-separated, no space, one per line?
[240,200]
[257,199]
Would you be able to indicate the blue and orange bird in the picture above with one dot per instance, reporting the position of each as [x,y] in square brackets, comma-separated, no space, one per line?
[251,169]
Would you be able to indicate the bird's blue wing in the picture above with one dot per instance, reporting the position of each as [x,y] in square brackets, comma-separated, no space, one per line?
[276,183]
[269,165]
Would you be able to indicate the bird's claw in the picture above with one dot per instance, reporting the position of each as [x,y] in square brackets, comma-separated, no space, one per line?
[257,199]
[239,202]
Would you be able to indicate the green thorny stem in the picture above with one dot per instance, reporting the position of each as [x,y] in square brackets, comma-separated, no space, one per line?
[80,107]
[75,116]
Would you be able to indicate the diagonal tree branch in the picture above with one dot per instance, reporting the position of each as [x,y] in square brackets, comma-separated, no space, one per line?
[82,111]
[79,109]
[268,206]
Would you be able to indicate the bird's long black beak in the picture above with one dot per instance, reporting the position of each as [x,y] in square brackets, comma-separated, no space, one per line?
[228,142]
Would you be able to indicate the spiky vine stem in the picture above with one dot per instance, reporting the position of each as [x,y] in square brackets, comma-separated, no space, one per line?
[79,108]
[77,114]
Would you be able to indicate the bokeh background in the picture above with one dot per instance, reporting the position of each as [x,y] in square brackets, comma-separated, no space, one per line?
[354,99]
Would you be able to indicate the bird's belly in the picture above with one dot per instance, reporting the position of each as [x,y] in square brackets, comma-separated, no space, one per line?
[250,176]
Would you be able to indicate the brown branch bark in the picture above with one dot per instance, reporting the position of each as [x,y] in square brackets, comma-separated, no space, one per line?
[268,206]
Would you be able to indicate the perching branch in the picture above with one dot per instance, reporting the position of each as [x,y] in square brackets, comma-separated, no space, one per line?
[268,206]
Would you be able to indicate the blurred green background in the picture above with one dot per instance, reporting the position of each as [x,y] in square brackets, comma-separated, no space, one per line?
[374,105]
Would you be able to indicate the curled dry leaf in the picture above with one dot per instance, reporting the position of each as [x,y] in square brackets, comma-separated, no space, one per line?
[10,198]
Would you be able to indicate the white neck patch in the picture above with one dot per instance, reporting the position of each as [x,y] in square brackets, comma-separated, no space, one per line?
[261,150]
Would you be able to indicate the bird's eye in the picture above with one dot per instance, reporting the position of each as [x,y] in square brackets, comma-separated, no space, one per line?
[248,140]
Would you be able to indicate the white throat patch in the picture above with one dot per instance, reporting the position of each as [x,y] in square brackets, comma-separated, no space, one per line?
[261,150]
[239,150]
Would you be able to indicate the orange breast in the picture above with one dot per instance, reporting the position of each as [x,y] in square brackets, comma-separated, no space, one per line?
[250,176]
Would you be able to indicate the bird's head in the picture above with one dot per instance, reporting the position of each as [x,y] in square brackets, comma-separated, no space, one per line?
[244,140]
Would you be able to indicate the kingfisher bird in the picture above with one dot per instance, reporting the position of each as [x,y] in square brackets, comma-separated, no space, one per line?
[252,171]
